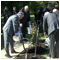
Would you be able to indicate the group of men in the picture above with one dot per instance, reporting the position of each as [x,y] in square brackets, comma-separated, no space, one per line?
[22,20]
[6,13]
[14,22]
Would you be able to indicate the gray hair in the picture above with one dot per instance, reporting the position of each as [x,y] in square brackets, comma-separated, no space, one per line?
[20,13]
[26,7]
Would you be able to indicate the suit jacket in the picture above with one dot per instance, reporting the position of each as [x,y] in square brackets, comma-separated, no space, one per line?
[45,10]
[6,15]
[51,22]
[57,14]
[25,19]
[11,26]
[37,16]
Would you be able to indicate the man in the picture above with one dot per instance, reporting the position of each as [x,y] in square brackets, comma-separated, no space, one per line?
[14,10]
[6,14]
[9,29]
[25,20]
[44,9]
[55,11]
[37,16]
[51,22]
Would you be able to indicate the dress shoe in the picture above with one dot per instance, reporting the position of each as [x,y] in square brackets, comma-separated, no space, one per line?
[8,56]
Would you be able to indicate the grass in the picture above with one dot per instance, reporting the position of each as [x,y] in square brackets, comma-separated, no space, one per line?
[41,36]
[21,54]
[32,17]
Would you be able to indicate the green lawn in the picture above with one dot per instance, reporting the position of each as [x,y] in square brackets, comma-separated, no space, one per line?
[32,17]
[41,36]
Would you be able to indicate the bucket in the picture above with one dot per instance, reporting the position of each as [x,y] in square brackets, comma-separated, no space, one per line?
[16,38]
[29,30]
[47,40]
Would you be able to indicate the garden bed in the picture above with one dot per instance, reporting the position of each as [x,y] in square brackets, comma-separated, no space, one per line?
[41,49]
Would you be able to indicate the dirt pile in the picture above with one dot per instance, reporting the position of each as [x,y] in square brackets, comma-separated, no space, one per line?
[40,50]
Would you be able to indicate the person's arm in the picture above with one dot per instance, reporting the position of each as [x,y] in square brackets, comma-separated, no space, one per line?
[15,25]
[29,20]
[29,16]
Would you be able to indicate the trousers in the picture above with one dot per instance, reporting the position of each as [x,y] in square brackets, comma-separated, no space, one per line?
[54,47]
[7,40]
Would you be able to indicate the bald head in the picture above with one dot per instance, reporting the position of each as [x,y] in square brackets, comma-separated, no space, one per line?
[46,13]
[26,8]
[54,10]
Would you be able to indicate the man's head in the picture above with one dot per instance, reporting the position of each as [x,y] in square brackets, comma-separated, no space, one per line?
[6,8]
[20,14]
[43,6]
[14,8]
[26,8]
[46,13]
[54,10]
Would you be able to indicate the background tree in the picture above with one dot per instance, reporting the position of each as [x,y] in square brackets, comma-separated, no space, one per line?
[33,5]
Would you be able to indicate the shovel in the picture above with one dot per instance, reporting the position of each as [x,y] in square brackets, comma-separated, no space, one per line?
[35,57]
[21,39]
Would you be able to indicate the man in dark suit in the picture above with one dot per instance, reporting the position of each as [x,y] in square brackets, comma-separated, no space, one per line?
[55,11]
[52,23]
[37,16]
[25,20]
[9,29]
[14,11]
[44,9]
[6,14]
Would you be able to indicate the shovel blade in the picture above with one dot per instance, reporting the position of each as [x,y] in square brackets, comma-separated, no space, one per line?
[34,57]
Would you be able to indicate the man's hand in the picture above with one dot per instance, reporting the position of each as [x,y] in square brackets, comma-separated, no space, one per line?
[29,23]
[21,24]
[45,35]
[16,35]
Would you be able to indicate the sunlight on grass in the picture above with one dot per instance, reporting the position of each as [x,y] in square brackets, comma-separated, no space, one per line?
[45,55]
[32,16]
[22,54]
[41,36]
